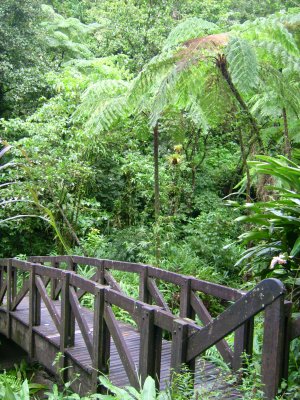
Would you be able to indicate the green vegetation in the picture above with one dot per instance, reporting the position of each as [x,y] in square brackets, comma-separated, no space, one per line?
[128,128]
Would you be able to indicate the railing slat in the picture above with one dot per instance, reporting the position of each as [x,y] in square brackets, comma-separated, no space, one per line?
[48,302]
[264,294]
[157,296]
[206,318]
[121,346]
[20,296]
[243,344]
[83,325]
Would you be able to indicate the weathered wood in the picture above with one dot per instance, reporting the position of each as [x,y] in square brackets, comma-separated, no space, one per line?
[287,338]
[48,302]
[156,295]
[82,292]
[206,318]
[243,344]
[83,325]
[121,346]
[179,347]
[110,280]
[9,298]
[295,329]
[82,283]
[101,341]
[144,294]
[186,310]
[67,336]
[188,339]
[54,282]
[34,309]
[264,294]
[273,346]
[20,296]
[3,291]
[150,346]
[14,276]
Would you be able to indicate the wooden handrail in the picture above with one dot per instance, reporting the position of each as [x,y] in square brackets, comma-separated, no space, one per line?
[188,339]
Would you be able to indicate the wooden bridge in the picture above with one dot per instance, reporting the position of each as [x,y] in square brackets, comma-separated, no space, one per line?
[43,310]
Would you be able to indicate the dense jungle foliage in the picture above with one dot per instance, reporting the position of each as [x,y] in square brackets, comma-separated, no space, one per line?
[162,132]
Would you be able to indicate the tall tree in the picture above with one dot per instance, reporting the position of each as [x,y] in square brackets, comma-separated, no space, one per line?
[22,59]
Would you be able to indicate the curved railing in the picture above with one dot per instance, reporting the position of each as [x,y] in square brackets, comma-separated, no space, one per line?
[189,340]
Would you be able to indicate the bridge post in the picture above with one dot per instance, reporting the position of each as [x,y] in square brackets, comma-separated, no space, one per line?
[144,294]
[186,310]
[101,341]
[272,350]
[9,298]
[34,309]
[55,264]
[243,343]
[68,322]
[150,345]
[179,347]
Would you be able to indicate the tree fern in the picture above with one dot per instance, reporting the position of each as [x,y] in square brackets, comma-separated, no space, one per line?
[243,65]
[189,29]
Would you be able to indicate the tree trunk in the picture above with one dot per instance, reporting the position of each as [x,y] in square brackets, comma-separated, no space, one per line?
[156,172]
[221,63]
[287,143]
[244,157]
[156,192]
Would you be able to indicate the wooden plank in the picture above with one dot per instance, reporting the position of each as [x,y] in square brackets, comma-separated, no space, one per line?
[150,346]
[8,298]
[243,344]
[186,310]
[295,329]
[54,282]
[48,302]
[156,295]
[83,325]
[288,305]
[82,283]
[67,336]
[205,317]
[264,294]
[82,292]
[121,346]
[179,347]
[272,350]
[101,341]
[213,289]
[110,280]
[144,294]
[34,309]
[3,291]
[20,296]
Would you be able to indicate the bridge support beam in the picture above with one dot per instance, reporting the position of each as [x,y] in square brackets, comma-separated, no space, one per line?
[273,347]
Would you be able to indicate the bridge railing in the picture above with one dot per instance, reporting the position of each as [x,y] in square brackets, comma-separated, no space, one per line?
[189,340]
[189,290]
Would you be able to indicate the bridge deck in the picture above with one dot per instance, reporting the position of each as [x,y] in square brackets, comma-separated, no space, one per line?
[208,378]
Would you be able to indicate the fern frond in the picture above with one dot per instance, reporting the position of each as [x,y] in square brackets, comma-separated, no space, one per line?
[281,57]
[191,28]
[243,65]
[105,117]
[196,114]
[153,73]
[97,97]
